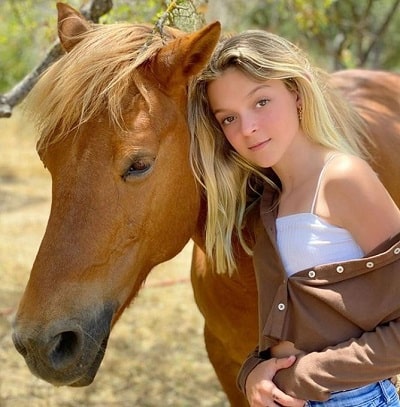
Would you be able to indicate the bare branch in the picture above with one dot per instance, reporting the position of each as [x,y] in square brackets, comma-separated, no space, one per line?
[159,25]
[17,94]
[92,11]
[95,9]
[379,32]
[168,18]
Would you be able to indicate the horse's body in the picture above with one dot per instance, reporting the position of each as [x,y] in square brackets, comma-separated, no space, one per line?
[125,199]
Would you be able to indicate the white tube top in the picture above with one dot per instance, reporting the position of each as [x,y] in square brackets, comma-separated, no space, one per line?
[305,240]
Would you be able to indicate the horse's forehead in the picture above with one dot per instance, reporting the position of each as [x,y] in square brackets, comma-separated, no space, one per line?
[141,123]
[84,86]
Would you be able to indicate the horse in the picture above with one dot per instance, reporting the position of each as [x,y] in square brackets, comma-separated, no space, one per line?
[112,113]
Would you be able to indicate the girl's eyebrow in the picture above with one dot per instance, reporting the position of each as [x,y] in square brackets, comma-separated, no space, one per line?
[261,86]
[252,91]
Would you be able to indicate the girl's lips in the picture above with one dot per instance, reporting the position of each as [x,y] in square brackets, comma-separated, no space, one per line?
[259,145]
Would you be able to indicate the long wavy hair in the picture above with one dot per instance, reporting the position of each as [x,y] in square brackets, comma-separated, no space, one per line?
[225,176]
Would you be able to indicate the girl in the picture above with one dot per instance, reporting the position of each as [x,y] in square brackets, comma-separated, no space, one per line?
[326,244]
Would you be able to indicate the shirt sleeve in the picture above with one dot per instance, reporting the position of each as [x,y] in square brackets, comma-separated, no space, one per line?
[372,357]
[253,359]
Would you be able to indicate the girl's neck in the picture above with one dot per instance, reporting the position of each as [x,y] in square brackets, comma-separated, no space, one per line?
[296,169]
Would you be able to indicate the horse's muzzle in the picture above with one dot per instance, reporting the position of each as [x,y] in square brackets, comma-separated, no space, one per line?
[66,352]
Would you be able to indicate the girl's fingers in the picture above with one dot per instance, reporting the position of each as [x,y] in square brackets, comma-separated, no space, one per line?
[284,399]
[284,363]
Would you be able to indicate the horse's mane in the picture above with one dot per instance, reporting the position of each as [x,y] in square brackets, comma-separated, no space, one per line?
[92,78]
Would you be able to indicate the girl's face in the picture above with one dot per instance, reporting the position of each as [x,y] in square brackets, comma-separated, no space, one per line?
[259,119]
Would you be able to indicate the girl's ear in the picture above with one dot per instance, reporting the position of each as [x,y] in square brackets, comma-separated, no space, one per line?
[299,102]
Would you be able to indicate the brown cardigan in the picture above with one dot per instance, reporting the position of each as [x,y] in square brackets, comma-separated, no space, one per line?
[344,316]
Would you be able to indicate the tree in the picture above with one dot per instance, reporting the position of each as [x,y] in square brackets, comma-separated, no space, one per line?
[93,11]
[179,13]
[351,33]
[340,34]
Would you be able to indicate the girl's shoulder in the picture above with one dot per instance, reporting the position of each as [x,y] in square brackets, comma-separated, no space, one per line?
[358,201]
[350,183]
[349,173]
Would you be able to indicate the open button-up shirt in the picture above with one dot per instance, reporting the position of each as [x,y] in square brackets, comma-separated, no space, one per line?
[343,316]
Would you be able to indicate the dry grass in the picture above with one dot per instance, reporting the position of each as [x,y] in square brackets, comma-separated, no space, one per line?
[156,353]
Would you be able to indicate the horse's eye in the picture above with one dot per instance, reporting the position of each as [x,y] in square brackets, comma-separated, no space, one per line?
[139,167]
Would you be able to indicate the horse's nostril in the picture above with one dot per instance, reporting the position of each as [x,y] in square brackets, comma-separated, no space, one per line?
[64,349]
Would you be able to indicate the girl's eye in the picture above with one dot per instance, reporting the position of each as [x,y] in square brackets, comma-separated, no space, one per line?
[262,102]
[227,120]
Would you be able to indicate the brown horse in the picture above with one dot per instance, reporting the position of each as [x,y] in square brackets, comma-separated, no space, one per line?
[114,136]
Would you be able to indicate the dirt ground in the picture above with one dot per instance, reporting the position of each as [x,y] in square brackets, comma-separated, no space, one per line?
[139,369]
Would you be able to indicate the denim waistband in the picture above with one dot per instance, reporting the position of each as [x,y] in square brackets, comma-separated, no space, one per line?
[382,393]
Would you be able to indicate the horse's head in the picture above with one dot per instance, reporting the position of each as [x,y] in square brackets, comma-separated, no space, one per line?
[114,136]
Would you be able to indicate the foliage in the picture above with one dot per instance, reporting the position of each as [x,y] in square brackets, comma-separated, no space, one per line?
[341,34]
[26,31]
[351,33]
[184,14]
[27,28]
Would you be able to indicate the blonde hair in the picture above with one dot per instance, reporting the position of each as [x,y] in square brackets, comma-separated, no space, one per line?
[224,174]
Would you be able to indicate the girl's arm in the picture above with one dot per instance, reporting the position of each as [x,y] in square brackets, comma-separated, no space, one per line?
[358,362]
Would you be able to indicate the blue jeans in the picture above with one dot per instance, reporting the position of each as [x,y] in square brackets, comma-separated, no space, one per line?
[381,394]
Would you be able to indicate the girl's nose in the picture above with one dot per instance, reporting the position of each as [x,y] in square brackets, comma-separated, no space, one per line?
[249,126]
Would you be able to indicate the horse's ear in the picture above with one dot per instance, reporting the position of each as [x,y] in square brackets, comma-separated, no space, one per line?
[70,25]
[186,56]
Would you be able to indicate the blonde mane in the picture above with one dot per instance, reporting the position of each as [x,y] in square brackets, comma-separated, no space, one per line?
[93,78]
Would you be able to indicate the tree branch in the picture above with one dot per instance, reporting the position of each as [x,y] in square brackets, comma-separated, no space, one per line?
[92,11]
[380,31]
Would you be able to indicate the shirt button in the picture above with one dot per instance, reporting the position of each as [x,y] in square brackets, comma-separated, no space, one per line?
[281,307]
[311,274]
[340,269]
[397,250]
[370,264]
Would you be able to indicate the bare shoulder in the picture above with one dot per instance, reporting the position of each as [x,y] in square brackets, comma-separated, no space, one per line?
[348,183]
[359,202]
[348,174]
[348,171]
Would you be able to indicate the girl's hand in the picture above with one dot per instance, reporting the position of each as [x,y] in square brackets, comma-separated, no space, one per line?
[261,390]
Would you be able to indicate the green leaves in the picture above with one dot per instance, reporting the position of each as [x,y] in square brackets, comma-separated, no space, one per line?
[342,34]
